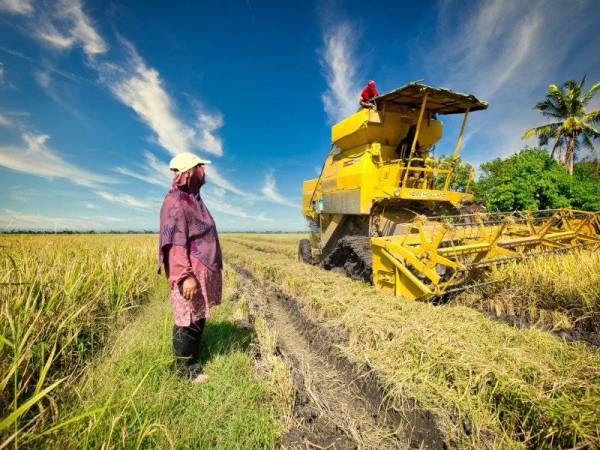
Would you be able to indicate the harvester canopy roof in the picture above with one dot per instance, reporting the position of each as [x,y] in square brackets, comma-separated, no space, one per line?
[439,101]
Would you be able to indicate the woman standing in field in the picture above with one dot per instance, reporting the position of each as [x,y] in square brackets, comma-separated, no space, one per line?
[190,251]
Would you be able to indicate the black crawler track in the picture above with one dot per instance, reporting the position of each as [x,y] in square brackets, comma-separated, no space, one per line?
[353,255]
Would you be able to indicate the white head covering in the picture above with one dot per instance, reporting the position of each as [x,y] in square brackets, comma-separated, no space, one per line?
[185,161]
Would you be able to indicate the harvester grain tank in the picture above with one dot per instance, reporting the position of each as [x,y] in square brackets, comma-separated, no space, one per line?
[385,210]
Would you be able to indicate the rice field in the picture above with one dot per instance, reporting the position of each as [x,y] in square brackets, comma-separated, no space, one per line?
[299,357]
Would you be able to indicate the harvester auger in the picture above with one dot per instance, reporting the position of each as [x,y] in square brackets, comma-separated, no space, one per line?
[385,210]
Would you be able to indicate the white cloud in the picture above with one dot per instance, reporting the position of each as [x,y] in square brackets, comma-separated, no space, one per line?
[208,124]
[35,158]
[507,52]
[340,67]
[152,171]
[232,210]
[24,7]
[143,92]
[68,25]
[15,220]
[43,79]
[269,190]
[141,88]
[128,201]
[55,38]
[218,192]
[213,175]
[5,121]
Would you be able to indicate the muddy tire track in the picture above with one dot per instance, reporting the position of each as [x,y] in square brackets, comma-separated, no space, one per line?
[575,334]
[337,405]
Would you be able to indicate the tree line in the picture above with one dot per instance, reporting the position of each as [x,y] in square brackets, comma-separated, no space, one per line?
[555,174]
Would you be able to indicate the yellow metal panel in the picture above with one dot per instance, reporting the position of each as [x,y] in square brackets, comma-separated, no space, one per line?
[308,187]
[386,128]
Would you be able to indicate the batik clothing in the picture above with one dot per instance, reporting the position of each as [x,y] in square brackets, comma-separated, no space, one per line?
[182,264]
[185,221]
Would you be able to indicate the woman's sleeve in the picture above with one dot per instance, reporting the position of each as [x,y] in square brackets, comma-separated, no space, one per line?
[180,267]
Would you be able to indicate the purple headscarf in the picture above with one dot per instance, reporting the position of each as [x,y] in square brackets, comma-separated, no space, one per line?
[185,221]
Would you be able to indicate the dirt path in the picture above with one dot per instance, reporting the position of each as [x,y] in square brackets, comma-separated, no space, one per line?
[331,409]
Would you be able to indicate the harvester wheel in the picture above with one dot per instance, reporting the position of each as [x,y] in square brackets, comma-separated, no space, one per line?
[304,251]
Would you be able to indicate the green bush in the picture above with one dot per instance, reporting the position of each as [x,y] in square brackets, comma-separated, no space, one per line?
[531,179]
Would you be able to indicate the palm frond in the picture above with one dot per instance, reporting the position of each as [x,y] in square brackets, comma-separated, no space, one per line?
[549,108]
[590,93]
[572,90]
[592,117]
[555,94]
[544,132]
[590,131]
[587,142]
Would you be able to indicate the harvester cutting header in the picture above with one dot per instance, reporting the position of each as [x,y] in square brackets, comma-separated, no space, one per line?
[385,210]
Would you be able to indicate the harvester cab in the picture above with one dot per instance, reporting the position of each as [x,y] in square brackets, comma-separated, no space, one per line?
[385,210]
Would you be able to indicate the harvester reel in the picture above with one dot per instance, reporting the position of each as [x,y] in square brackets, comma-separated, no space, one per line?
[447,254]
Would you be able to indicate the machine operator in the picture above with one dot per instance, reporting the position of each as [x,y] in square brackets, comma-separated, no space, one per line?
[367,95]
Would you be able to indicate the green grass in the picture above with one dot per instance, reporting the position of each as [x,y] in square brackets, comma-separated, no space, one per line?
[146,404]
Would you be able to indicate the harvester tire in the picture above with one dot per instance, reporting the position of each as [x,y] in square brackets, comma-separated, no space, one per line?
[304,251]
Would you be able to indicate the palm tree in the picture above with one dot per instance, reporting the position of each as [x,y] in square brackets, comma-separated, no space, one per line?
[572,126]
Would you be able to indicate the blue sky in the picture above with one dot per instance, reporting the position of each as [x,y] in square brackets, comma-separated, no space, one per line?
[95,97]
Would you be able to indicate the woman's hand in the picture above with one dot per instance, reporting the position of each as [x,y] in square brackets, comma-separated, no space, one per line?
[189,288]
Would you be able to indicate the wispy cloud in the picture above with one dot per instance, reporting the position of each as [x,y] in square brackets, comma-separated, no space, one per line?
[213,175]
[43,66]
[505,51]
[269,190]
[208,125]
[67,25]
[338,61]
[5,121]
[129,201]
[61,96]
[232,210]
[21,7]
[141,88]
[16,220]
[35,158]
[152,171]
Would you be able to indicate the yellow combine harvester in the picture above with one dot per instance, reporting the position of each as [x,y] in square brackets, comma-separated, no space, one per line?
[385,210]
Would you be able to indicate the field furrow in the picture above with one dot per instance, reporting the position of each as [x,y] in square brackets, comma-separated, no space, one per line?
[486,383]
[332,407]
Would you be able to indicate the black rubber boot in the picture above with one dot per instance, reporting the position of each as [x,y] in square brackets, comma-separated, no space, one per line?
[186,345]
